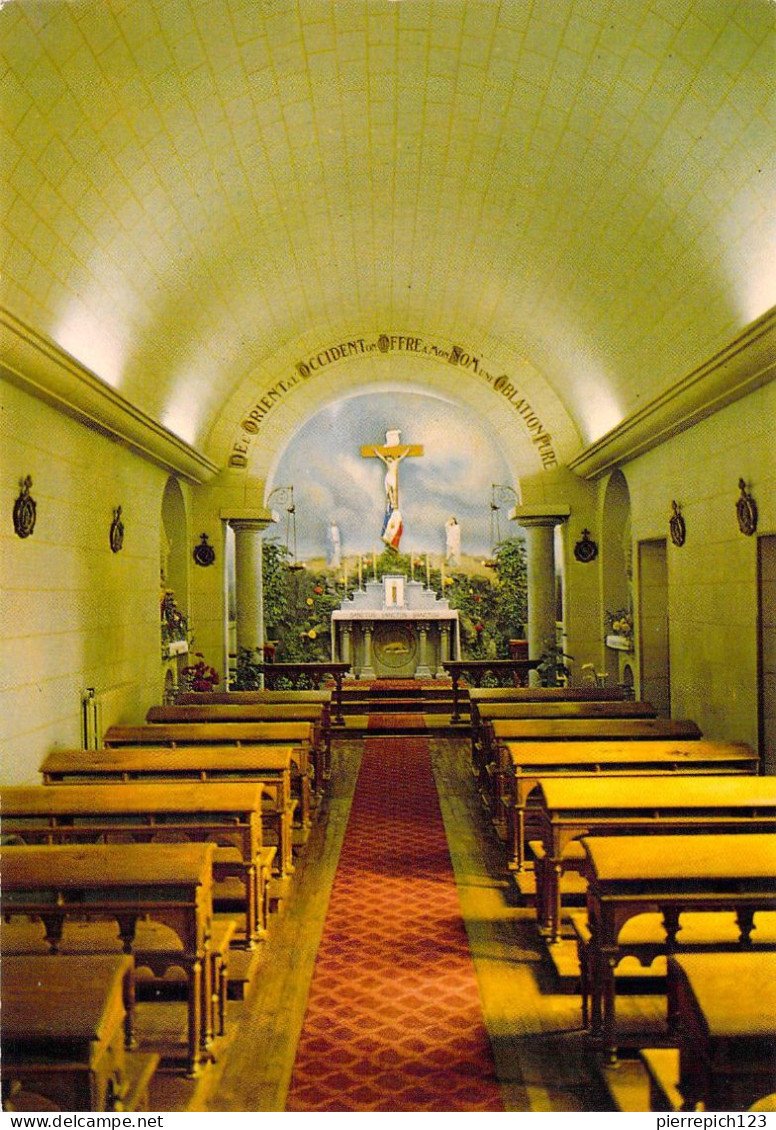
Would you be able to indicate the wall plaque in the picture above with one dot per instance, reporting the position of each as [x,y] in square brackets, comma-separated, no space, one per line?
[586,549]
[746,511]
[204,554]
[676,525]
[116,531]
[24,509]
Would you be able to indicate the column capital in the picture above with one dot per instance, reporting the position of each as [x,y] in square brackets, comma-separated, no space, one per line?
[548,514]
[248,518]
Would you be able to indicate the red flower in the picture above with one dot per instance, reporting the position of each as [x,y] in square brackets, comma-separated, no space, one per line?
[479,627]
[318,590]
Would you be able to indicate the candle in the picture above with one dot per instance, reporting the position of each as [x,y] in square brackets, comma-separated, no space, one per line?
[412,566]
[428,572]
[359,570]
[345,571]
[374,563]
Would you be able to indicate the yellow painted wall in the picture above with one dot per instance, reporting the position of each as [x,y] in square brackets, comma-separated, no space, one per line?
[72,613]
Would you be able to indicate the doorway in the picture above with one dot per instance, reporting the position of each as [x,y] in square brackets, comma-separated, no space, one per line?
[766,651]
[653,626]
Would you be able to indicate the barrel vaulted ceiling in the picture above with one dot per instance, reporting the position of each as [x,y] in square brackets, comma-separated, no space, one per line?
[206,199]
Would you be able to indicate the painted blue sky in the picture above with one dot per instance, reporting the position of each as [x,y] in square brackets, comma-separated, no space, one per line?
[333,483]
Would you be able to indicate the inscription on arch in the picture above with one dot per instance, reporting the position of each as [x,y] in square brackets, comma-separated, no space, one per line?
[457,356]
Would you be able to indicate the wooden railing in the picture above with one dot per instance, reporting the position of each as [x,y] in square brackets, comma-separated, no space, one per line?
[306,677]
[502,673]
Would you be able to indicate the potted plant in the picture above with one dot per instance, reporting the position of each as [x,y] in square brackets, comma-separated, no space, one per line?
[200,676]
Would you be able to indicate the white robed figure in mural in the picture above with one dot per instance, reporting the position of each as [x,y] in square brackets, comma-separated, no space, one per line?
[452,540]
[335,546]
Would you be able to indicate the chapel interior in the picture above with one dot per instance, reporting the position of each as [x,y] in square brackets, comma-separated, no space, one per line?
[399,879]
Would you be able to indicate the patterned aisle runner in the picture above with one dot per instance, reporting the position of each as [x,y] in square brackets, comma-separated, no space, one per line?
[394,1021]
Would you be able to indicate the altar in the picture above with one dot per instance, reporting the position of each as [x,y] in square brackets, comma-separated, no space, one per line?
[395,629]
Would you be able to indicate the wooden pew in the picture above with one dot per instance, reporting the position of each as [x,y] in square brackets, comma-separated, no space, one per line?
[486,713]
[171,884]
[722,1009]
[500,696]
[271,698]
[506,672]
[304,676]
[269,766]
[530,762]
[226,814]
[67,1023]
[220,712]
[482,695]
[631,875]
[298,735]
[572,808]
[498,732]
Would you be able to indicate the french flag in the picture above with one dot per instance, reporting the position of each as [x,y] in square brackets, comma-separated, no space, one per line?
[393,528]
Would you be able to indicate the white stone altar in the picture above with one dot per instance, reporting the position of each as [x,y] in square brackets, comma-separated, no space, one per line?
[395,629]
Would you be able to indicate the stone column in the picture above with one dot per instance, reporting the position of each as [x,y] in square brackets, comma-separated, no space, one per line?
[248,526]
[367,670]
[539,523]
[422,671]
[346,631]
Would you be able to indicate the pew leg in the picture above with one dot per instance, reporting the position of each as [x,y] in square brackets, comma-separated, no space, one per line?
[609,996]
[54,925]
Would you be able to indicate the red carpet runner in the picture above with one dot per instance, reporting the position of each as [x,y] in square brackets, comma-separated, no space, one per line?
[394,1020]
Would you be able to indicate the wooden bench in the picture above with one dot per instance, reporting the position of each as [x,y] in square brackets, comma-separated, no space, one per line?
[266,765]
[722,1008]
[498,732]
[320,698]
[644,938]
[221,712]
[298,735]
[63,1030]
[631,875]
[481,697]
[156,951]
[226,814]
[170,884]
[306,676]
[486,768]
[571,808]
[528,763]
[504,672]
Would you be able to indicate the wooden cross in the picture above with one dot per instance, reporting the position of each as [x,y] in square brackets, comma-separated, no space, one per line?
[391,453]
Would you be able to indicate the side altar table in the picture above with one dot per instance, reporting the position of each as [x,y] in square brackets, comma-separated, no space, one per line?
[395,629]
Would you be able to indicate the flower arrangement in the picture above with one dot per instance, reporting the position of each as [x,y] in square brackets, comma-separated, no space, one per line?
[200,676]
[619,623]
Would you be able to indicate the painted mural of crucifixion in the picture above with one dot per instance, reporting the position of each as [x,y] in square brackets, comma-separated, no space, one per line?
[391,453]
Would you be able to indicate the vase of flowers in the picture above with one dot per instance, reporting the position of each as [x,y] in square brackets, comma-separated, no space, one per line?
[200,676]
[619,630]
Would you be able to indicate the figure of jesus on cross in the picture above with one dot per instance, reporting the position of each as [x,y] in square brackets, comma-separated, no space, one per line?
[392,454]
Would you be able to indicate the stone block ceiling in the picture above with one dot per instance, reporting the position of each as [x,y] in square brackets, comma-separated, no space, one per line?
[201,194]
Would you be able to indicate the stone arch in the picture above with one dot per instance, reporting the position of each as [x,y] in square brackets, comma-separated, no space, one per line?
[173,549]
[616,544]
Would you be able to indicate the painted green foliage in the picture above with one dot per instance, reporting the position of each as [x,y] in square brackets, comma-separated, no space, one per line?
[298,603]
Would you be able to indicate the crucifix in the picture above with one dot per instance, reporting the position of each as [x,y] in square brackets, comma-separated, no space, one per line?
[391,453]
